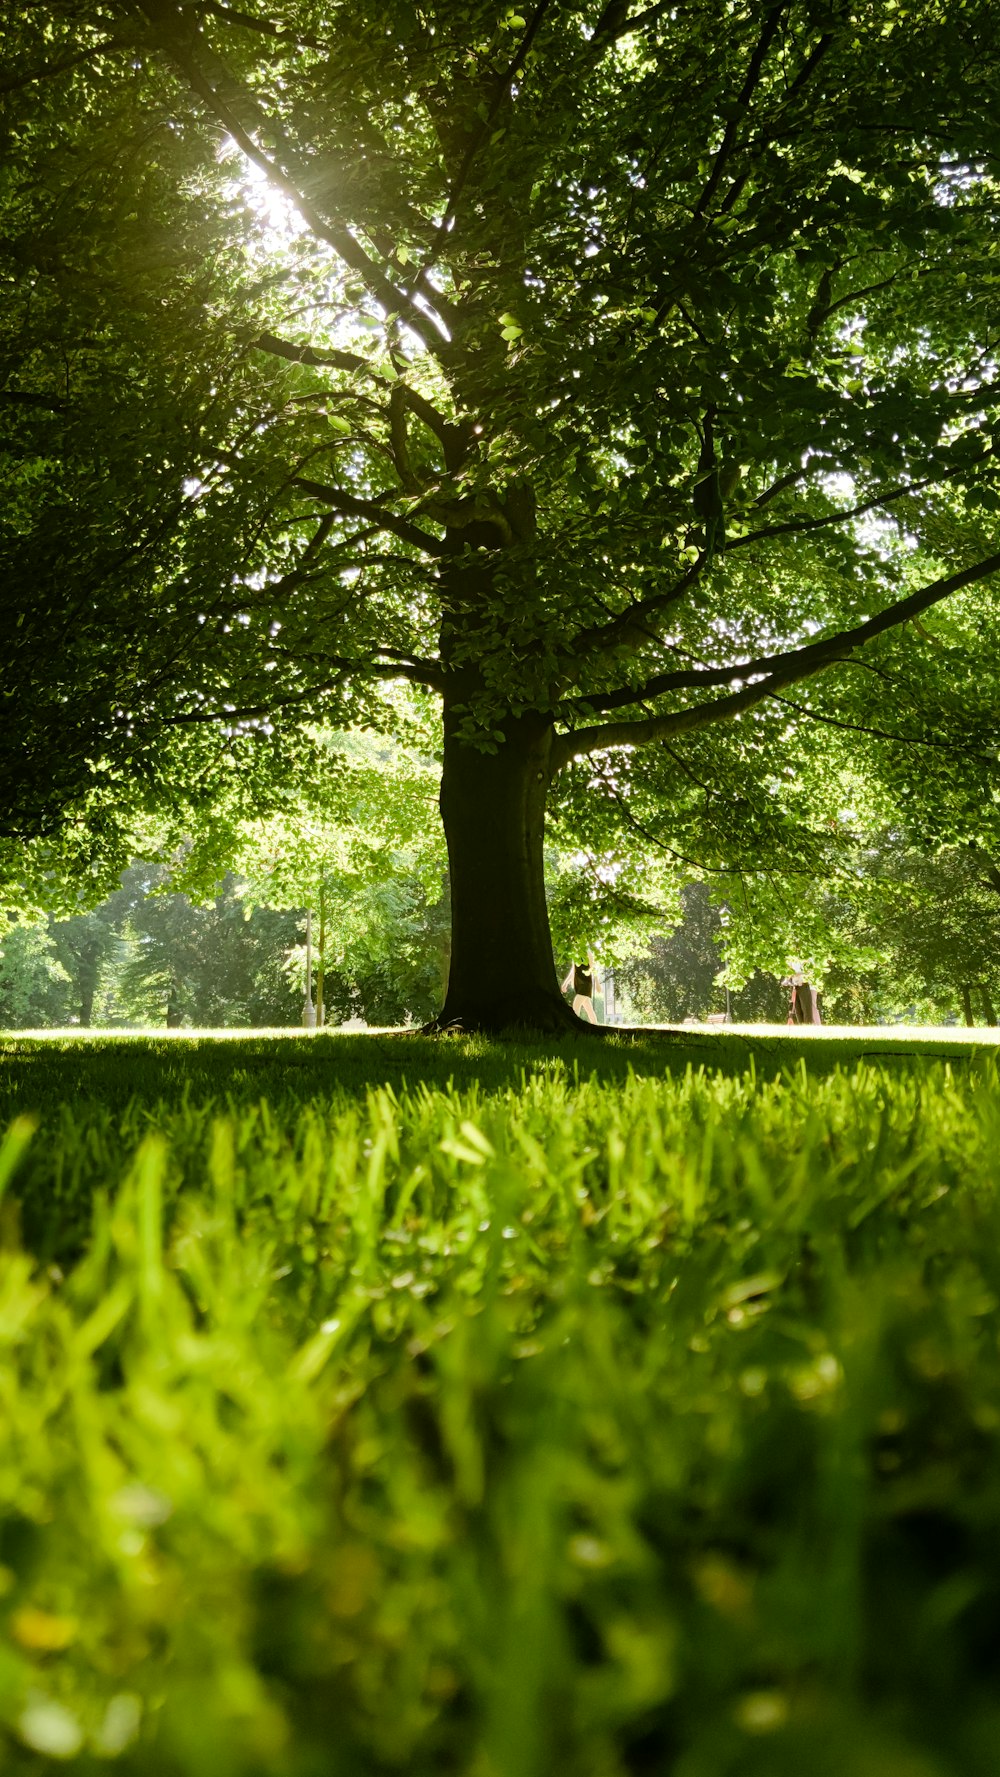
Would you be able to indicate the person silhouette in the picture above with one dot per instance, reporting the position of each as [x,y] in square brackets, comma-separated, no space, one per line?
[804,1007]
[580,980]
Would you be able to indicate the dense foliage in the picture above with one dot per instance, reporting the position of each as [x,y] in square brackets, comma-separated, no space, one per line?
[603,372]
[149,956]
[929,928]
[896,933]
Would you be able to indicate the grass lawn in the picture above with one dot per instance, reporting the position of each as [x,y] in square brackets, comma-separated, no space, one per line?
[388,1405]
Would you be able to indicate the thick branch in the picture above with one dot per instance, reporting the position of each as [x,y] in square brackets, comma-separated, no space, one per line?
[799,526]
[400,442]
[321,356]
[628,625]
[749,87]
[346,669]
[430,670]
[614,22]
[267,27]
[300,572]
[779,486]
[350,506]
[453,438]
[780,670]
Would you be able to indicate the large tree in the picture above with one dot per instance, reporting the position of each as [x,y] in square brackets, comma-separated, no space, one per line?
[569,364]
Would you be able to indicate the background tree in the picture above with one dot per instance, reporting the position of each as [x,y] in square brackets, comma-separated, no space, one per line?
[928,927]
[677,977]
[585,344]
[151,957]
[390,963]
[683,973]
[87,946]
[179,964]
[365,856]
[34,987]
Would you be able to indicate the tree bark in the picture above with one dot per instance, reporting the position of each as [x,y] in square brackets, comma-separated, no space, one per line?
[502,973]
[88,990]
[175,1014]
[89,971]
[966,993]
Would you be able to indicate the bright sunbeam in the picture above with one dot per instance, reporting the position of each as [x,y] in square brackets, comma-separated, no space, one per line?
[280,224]
[277,217]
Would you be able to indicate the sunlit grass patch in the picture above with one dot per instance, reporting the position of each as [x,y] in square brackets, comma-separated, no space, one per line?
[541,1421]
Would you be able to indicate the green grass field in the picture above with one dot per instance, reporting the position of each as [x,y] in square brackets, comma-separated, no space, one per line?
[385,1405]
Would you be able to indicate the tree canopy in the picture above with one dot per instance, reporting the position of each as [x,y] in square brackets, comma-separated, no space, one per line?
[621,375]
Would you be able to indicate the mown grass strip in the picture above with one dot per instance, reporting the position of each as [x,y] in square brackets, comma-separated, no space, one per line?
[578,1424]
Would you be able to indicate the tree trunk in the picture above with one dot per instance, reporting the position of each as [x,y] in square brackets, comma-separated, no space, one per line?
[175,1014]
[89,969]
[321,970]
[502,971]
[966,993]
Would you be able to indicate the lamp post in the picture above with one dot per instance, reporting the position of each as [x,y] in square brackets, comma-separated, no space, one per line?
[308,1009]
[321,972]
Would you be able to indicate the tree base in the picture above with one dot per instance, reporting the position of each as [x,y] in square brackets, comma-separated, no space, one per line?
[522,1017]
[547,1017]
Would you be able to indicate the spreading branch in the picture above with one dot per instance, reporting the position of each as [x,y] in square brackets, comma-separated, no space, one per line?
[804,75]
[322,357]
[482,134]
[615,23]
[771,23]
[351,506]
[48,70]
[345,670]
[248,21]
[300,572]
[453,438]
[887,497]
[400,444]
[632,624]
[771,673]
[902,740]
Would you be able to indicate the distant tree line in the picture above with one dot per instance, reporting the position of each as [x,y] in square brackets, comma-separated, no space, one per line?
[912,934]
[147,956]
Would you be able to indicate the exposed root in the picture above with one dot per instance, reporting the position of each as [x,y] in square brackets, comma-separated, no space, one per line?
[556,1020]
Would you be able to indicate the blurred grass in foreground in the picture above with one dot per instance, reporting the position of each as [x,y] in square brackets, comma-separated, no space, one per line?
[573,1417]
